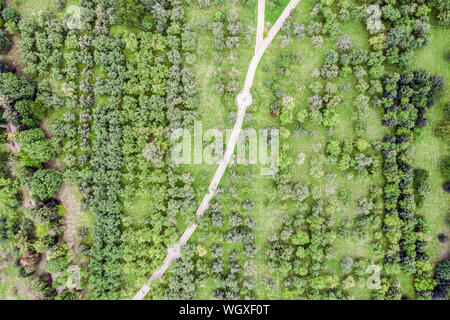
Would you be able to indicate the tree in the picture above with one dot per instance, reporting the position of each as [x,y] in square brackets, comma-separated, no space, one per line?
[445,167]
[331,57]
[36,146]
[6,67]
[9,197]
[347,265]
[38,285]
[57,265]
[59,4]
[443,270]
[300,238]
[235,219]
[330,117]
[45,183]
[204,4]
[300,192]
[216,250]
[130,12]
[333,148]
[373,22]
[16,87]
[43,214]
[11,14]
[298,30]
[248,204]
[217,266]
[314,28]
[329,71]
[30,111]
[344,43]
[317,42]
[153,153]
[82,233]
[424,284]
[5,42]
[345,194]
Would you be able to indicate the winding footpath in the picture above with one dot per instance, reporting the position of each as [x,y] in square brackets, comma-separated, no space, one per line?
[243,101]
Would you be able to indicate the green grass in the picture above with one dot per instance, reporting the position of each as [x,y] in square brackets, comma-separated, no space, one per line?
[274,8]
[10,279]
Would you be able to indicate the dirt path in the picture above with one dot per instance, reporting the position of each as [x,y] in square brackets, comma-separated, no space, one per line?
[72,206]
[243,101]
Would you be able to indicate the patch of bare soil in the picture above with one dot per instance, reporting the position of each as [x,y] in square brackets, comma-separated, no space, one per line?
[66,197]
[46,129]
[13,56]
[70,203]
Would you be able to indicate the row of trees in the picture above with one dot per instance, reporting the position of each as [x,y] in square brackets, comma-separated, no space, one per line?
[23,110]
[145,236]
[106,164]
[406,99]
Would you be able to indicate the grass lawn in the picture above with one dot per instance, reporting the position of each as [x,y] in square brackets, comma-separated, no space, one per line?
[11,286]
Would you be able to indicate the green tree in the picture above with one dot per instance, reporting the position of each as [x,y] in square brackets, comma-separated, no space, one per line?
[36,146]
[11,14]
[443,270]
[424,284]
[43,214]
[57,265]
[16,87]
[45,183]
[300,238]
[5,41]
[30,111]
[130,12]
